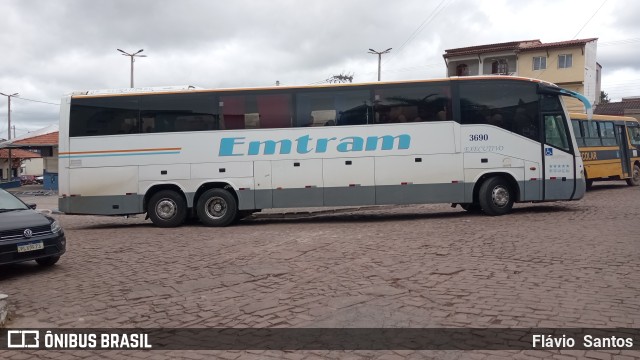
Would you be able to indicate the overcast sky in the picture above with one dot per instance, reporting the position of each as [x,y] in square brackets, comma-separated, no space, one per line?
[50,48]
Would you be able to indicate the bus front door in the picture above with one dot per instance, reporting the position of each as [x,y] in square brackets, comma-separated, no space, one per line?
[621,135]
[559,160]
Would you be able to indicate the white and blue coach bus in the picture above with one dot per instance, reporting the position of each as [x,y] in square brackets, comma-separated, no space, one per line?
[220,155]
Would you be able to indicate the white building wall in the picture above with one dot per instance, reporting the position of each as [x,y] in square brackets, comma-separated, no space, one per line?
[32,167]
[591,85]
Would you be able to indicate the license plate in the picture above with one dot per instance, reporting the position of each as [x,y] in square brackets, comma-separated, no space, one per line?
[30,246]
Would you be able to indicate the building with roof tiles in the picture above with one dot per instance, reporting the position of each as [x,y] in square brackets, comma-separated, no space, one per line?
[626,107]
[569,64]
[20,159]
[44,143]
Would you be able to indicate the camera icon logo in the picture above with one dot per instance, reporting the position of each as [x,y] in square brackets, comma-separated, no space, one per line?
[23,339]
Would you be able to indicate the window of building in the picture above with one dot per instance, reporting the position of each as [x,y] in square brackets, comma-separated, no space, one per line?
[565,61]
[462,70]
[500,67]
[539,62]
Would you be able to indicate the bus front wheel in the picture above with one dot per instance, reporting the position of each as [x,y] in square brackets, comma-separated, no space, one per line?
[634,180]
[217,207]
[496,196]
[167,208]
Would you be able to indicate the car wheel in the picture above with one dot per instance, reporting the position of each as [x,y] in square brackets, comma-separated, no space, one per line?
[217,207]
[167,209]
[48,261]
[496,197]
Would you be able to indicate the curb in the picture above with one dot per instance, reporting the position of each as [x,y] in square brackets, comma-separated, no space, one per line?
[4,309]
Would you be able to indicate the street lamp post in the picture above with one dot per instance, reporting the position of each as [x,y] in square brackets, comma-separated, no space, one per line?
[9,127]
[132,56]
[379,53]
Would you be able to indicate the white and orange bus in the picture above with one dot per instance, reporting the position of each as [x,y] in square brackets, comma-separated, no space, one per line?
[482,142]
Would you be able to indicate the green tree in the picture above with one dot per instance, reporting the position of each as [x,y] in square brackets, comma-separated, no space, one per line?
[604,98]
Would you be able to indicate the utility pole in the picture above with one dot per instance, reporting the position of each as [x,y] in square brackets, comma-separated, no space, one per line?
[135,54]
[379,53]
[9,128]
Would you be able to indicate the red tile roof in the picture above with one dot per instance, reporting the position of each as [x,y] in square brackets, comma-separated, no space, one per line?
[40,140]
[515,46]
[617,108]
[559,44]
[18,154]
[479,49]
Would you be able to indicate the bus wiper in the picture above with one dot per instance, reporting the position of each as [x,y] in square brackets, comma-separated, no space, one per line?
[7,210]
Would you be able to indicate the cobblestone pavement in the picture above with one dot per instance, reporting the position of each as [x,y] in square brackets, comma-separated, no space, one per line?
[565,264]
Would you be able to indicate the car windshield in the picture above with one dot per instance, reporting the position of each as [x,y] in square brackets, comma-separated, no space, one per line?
[9,202]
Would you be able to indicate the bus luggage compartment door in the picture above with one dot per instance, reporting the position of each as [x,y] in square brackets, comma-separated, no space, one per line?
[262,184]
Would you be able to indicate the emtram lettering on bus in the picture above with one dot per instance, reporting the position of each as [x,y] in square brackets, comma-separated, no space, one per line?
[236,146]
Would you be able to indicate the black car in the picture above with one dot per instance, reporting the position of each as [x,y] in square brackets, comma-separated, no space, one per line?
[26,234]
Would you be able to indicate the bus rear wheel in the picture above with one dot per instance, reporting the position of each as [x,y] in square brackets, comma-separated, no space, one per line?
[217,207]
[496,196]
[635,176]
[167,208]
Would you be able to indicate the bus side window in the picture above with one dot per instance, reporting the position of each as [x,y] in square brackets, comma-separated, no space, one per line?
[421,103]
[607,134]
[345,107]
[555,133]
[635,135]
[103,116]
[577,132]
[274,110]
[590,129]
[177,112]
[510,106]
[233,112]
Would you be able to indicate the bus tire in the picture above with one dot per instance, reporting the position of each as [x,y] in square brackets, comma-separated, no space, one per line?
[217,207]
[167,208]
[634,180]
[496,196]
[589,184]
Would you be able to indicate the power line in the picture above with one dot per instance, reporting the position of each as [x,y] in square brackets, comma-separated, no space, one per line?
[594,14]
[419,29]
[38,101]
[552,62]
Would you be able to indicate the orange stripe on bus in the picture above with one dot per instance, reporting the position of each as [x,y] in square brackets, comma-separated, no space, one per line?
[116,151]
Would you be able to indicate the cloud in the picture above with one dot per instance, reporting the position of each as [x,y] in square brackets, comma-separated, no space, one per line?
[53,48]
